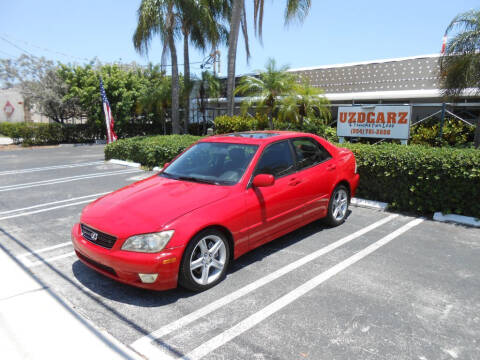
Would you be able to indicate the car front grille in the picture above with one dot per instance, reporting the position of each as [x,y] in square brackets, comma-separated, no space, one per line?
[97,237]
[97,265]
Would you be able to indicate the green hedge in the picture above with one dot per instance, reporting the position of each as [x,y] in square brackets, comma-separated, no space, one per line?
[150,151]
[420,179]
[47,134]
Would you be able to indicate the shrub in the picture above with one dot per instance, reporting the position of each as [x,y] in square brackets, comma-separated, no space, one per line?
[420,179]
[48,134]
[455,132]
[228,124]
[150,151]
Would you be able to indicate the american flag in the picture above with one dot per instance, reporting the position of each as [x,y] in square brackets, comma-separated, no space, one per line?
[111,136]
[444,44]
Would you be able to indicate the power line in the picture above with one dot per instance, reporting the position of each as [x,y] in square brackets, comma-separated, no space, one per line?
[18,47]
[44,49]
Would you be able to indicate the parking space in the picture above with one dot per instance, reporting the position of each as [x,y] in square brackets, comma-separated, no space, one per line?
[380,286]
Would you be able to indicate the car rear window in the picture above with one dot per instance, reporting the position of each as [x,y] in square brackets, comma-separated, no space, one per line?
[309,152]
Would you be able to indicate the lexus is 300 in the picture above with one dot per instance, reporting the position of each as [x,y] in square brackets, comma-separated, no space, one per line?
[220,198]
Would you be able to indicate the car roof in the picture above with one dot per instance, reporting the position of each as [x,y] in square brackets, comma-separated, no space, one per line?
[254,137]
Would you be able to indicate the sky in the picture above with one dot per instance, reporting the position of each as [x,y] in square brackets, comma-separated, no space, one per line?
[334,32]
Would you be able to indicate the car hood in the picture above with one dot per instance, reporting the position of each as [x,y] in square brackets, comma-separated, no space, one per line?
[148,205]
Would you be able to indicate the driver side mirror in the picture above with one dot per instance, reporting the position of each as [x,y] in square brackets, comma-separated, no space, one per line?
[262,180]
[166,164]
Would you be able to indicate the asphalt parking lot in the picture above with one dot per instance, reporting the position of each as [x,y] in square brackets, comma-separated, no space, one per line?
[380,286]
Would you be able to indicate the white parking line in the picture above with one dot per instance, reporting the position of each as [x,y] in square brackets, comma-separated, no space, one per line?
[53,167]
[43,210]
[293,295]
[25,261]
[48,260]
[65,179]
[52,203]
[145,345]
[39,251]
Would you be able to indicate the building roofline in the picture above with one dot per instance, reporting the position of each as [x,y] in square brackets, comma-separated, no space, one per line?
[331,66]
[379,61]
[378,95]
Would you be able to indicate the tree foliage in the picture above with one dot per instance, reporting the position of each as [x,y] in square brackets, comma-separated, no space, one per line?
[305,103]
[136,95]
[266,90]
[460,64]
[41,86]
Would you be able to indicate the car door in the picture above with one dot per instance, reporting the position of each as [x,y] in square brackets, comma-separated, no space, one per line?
[316,170]
[274,209]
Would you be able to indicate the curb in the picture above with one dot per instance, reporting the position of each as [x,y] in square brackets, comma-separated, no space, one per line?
[131,164]
[457,219]
[369,204]
[125,163]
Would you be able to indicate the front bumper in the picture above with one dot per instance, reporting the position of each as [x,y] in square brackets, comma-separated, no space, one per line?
[124,266]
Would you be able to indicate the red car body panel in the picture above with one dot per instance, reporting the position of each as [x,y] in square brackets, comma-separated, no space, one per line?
[248,215]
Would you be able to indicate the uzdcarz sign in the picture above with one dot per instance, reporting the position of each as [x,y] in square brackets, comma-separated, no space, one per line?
[389,122]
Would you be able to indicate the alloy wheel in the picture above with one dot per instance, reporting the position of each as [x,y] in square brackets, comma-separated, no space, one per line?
[340,204]
[208,260]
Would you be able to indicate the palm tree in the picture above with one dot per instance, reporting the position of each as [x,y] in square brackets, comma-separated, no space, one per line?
[294,10]
[209,88]
[306,102]
[159,17]
[198,21]
[201,24]
[460,63]
[266,90]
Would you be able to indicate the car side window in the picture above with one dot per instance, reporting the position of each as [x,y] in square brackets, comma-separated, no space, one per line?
[276,160]
[309,152]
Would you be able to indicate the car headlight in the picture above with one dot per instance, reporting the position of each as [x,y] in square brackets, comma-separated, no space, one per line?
[148,243]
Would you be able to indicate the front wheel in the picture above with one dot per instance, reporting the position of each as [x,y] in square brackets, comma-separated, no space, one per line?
[205,260]
[338,206]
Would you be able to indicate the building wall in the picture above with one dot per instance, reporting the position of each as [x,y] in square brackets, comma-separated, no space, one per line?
[20,114]
[16,99]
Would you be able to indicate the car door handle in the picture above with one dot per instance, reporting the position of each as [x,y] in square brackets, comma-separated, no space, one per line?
[294,182]
[331,167]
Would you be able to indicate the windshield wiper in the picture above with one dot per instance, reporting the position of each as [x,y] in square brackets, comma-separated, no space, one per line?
[164,173]
[203,181]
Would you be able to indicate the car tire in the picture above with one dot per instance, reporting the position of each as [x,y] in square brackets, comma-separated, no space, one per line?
[338,206]
[205,260]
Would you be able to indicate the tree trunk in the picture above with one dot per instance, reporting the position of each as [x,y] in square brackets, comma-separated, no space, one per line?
[270,119]
[476,140]
[175,85]
[186,83]
[237,10]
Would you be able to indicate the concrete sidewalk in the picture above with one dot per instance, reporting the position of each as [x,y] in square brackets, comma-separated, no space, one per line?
[35,323]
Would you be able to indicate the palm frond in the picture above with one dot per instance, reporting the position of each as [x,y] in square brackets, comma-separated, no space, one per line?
[460,64]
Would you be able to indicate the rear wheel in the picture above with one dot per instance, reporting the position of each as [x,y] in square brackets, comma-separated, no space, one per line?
[205,260]
[338,206]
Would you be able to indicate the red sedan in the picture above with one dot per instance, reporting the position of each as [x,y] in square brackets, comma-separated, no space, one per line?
[220,198]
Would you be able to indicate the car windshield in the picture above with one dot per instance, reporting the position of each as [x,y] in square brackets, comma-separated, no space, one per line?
[212,163]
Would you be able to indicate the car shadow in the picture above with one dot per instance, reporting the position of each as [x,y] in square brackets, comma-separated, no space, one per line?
[119,292]
[279,244]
